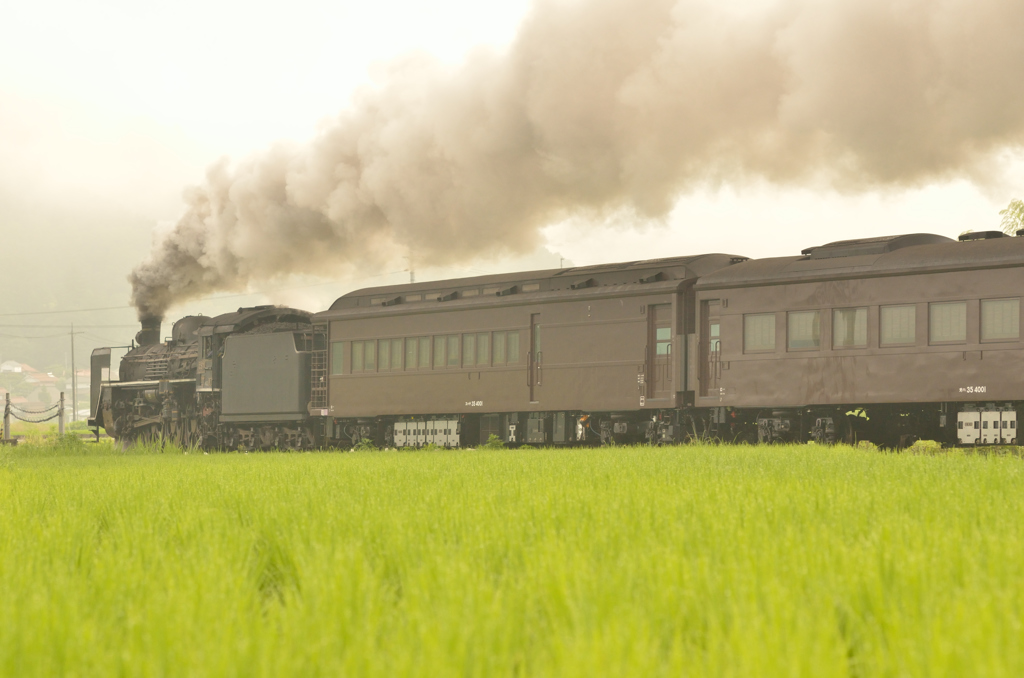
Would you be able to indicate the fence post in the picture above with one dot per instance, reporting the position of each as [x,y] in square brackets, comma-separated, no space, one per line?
[60,416]
[7,416]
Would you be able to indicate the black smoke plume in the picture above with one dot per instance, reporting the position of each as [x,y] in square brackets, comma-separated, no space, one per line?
[602,105]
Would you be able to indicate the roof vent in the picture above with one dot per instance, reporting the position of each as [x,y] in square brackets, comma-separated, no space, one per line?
[738,260]
[657,277]
[980,235]
[507,291]
[392,302]
[448,297]
[865,246]
[580,284]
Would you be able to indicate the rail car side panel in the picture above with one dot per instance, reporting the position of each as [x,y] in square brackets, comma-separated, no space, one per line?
[971,370]
[591,356]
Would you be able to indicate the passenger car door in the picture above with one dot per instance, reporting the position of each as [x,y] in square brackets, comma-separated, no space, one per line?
[710,348]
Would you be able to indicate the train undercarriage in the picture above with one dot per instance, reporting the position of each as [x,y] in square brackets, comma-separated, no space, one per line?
[561,428]
[887,426]
[171,411]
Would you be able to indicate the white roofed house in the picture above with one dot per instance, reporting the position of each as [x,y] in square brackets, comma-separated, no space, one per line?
[29,388]
[45,389]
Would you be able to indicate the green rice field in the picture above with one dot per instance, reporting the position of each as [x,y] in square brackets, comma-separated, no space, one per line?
[684,561]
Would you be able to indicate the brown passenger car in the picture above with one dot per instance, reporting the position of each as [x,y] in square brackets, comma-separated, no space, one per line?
[574,355]
[887,338]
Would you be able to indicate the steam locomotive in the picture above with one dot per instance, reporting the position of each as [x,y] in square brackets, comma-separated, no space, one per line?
[235,381]
[887,339]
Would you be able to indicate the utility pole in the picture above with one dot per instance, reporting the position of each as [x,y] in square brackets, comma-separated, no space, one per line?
[74,382]
[412,268]
[74,379]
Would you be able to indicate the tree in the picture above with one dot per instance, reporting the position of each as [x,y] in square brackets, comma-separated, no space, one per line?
[59,371]
[15,383]
[1013,217]
[43,397]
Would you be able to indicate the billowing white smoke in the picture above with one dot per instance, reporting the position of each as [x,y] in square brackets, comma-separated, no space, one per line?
[607,104]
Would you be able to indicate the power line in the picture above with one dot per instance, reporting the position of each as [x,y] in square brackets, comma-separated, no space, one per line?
[37,327]
[214,298]
[102,339]
[41,336]
[73,310]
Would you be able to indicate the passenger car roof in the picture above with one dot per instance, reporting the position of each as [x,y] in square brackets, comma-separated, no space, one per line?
[871,257]
[670,268]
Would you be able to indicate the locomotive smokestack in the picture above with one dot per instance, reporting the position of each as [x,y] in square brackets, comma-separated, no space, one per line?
[150,332]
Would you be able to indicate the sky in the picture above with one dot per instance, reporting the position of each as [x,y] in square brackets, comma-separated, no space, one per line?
[110,110]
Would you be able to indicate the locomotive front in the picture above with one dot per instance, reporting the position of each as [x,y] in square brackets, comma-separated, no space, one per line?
[154,395]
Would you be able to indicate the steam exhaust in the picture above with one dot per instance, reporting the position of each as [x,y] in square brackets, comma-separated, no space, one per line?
[603,107]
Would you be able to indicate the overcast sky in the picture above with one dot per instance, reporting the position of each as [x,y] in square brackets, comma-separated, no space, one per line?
[109,109]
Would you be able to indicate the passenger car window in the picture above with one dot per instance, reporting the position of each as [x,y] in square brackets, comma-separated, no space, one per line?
[1000,319]
[947,322]
[468,350]
[439,353]
[506,347]
[758,332]
[850,327]
[804,330]
[661,325]
[384,355]
[369,356]
[411,354]
[357,356]
[663,340]
[338,356]
[424,353]
[499,348]
[453,350]
[897,325]
[482,353]
[396,354]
